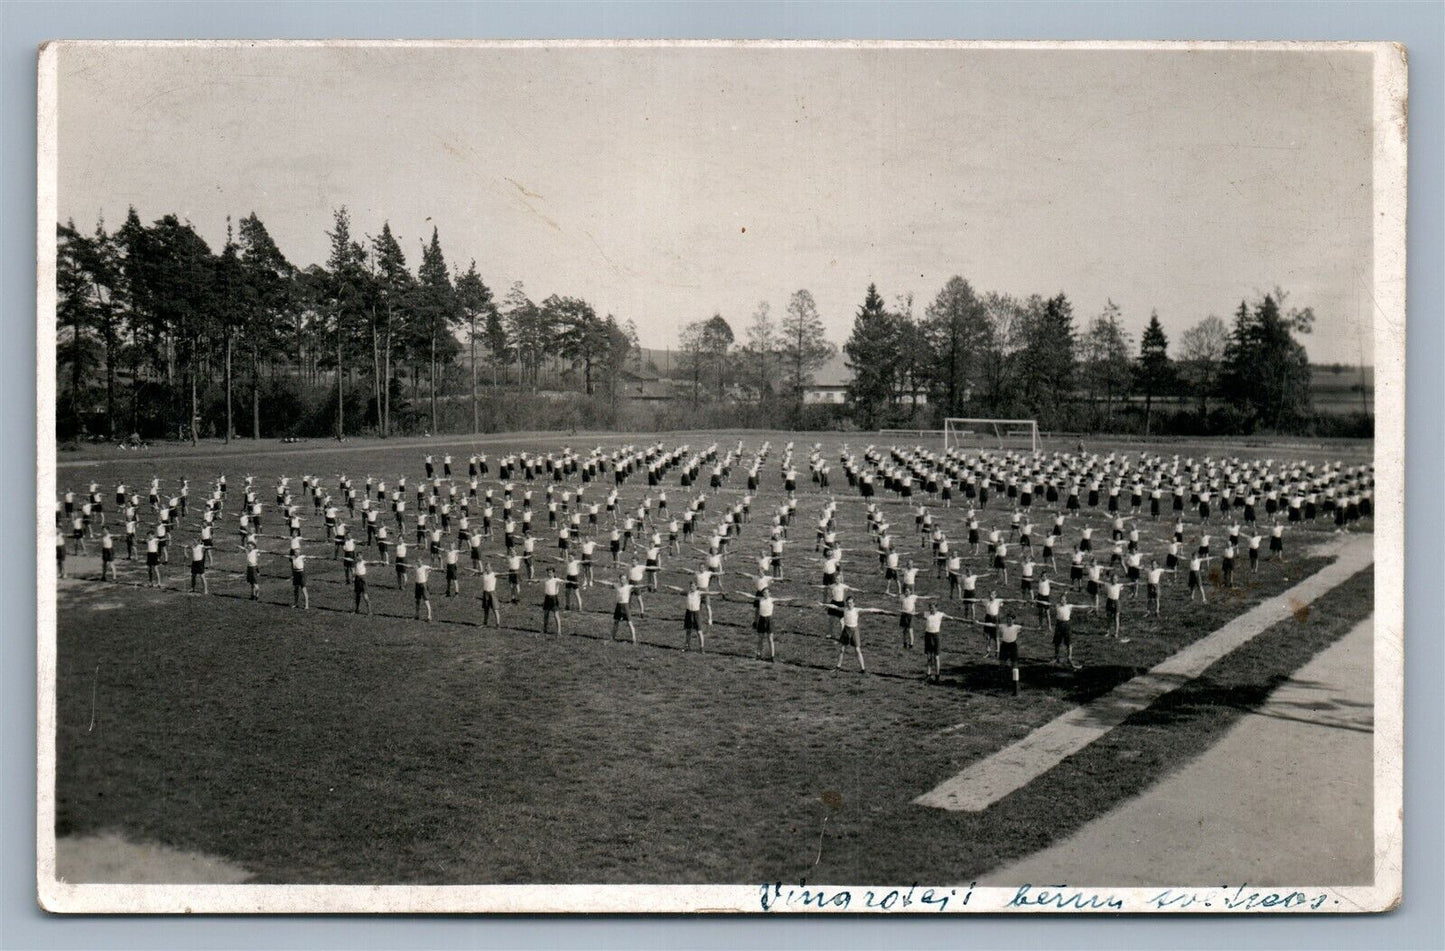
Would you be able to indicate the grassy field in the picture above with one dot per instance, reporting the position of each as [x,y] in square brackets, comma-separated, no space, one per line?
[324,747]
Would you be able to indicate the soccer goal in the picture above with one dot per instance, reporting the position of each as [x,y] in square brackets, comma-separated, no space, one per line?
[961,433]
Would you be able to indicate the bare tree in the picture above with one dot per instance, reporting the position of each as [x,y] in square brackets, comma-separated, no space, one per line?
[1201,357]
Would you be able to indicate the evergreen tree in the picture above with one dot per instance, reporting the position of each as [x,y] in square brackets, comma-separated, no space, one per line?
[1155,375]
[268,282]
[1047,364]
[619,344]
[872,351]
[475,300]
[182,299]
[394,290]
[958,334]
[345,301]
[581,335]
[232,297]
[528,328]
[1267,371]
[437,312]
[73,315]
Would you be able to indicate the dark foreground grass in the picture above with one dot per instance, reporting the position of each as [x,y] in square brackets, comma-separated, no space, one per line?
[390,753]
[322,747]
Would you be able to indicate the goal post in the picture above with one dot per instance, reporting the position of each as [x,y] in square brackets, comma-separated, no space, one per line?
[985,433]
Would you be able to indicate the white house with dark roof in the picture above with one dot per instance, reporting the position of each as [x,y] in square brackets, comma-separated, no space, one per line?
[830,385]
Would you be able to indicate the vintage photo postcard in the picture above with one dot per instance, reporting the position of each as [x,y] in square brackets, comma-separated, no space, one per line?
[723,477]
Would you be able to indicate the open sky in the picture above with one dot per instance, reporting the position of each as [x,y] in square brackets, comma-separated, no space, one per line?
[666,184]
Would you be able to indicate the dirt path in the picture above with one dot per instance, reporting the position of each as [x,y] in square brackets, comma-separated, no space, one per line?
[1286,797]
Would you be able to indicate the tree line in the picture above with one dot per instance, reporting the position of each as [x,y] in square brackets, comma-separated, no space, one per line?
[160,335]
[770,369]
[998,355]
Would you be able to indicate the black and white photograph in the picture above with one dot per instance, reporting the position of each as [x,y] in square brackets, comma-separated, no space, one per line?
[755,477]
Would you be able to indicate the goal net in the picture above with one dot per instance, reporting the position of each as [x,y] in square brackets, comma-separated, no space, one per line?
[964,433]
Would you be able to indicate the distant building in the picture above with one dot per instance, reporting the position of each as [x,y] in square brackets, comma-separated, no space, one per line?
[645,386]
[830,386]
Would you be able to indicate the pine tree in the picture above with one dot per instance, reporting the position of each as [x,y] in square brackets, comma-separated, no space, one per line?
[268,280]
[437,311]
[1047,366]
[232,297]
[872,351]
[345,296]
[73,313]
[394,289]
[475,300]
[958,334]
[1155,374]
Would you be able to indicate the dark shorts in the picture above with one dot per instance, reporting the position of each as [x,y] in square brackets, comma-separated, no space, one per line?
[1008,652]
[1062,634]
[359,583]
[905,622]
[690,621]
[848,637]
[298,579]
[930,643]
[549,602]
[763,625]
[253,575]
[621,613]
[1111,608]
[420,591]
[489,600]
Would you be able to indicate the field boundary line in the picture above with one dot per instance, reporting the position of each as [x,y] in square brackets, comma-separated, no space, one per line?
[985,782]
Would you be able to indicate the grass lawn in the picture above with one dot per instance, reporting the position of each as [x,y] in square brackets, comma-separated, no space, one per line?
[323,747]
